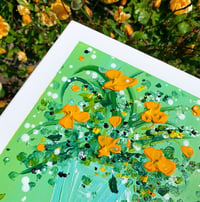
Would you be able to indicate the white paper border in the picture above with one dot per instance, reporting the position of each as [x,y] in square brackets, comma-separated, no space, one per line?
[33,88]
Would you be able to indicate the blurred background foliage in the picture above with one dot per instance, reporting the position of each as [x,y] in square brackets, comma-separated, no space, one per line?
[166,29]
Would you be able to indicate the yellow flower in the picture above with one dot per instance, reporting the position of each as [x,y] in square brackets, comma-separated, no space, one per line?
[153,114]
[108,144]
[26,19]
[96,130]
[128,29]
[2,104]
[112,35]
[73,113]
[195,110]
[124,113]
[2,51]
[48,18]
[102,168]
[144,178]
[61,10]
[140,88]
[30,69]
[75,88]
[118,81]
[157,3]
[23,10]
[121,16]
[179,4]
[176,134]
[187,151]
[115,120]
[109,1]
[158,162]
[4,28]
[88,11]
[21,56]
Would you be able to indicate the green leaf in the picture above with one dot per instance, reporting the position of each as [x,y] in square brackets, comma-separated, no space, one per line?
[169,152]
[163,190]
[2,196]
[184,27]
[21,2]
[137,35]
[143,17]
[21,156]
[12,175]
[53,35]
[113,184]
[10,39]
[86,180]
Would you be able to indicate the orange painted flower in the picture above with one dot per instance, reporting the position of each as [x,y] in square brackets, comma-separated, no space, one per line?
[2,51]
[61,10]
[75,88]
[179,4]
[21,55]
[48,18]
[109,1]
[157,3]
[158,162]
[128,29]
[115,120]
[187,151]
[73,113]
[195,110]
[4,28]
[128,144]
[120,16]
[118,81]
[26,19]
[153,114]
[108,144]
[23,10]
[150,193]
[40,147]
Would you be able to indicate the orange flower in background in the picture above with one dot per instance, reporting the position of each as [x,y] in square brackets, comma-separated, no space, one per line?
[88,11]
[109,1]
[26,19]
[4,28]
[23,10]
[195,110]
[153,114]
[21,56]
[48,18]
[121,16]
[2,51]
[108,144]
[179,4]
[123,2]
[118,81]
[157,3]
[158,162]
[187,151]
[61,10]
[73,113]
[115,120]
[128,29]
[40,147]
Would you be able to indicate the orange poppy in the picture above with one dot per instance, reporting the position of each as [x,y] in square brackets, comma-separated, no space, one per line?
[73,113]
[195,110]
[4,28]
[158,162]
[180,4]
[40,147]
[108,144]
[118,81]
[187,151]
[75,88]
[153,114]
[120,16]
[115,120]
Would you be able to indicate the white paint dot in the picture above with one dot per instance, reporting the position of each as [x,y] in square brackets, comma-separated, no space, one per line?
[181,116]
[89,49]
[124,180]
[94,75]
[49,164]
[34,116]
[27,125]
[25,188]
[23,199]
[70,66]
[186,143]
[35,132]
[88,72]
[69,80]
[166,197]
[88,195]
[170,102]
[136,136]
[57,151]
[50,172]
[198,102]
[41,123]
[49,93]
[32,126]
[25,137]
[51,85]
[113,65]
[54,96]
[64,78]
[121,92]
[127,80]
[25,180]
[93,56]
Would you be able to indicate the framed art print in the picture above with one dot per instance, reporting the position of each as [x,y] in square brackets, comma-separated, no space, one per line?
[100,121]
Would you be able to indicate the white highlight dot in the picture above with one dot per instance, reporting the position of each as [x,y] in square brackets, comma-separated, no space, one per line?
[89,49]
[64,78]
[34,116]
[70,66]
[198,102]
[186,143]
[124,180]
[41,123]
[170,102]
[25,137]
[23,199]
[181,116]
[25,188]
[113,65]
[94,75]
[35,132]
[51,85]
[88,72]
[54,96]
[166,197]
[27,125]
[32,126]
[49,93]
[25,180]
[88,195]
[57,151]
[93,56]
